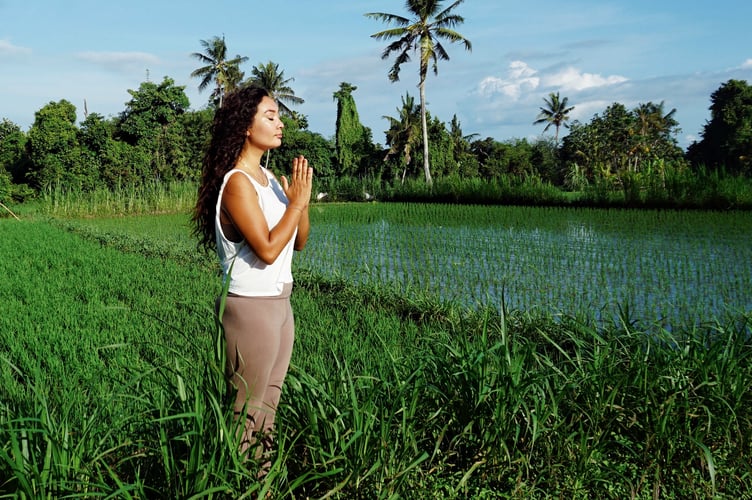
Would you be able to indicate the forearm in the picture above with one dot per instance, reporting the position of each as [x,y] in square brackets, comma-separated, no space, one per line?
[304,229]
[280,235]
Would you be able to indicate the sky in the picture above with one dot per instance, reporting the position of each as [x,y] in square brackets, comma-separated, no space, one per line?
[593,52]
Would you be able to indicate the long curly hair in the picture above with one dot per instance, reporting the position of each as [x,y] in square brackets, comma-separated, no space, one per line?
[228,134]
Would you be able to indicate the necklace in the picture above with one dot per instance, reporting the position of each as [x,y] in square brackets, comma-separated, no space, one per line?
[257,173]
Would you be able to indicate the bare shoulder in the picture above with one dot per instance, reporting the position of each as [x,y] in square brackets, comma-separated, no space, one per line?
[239,184]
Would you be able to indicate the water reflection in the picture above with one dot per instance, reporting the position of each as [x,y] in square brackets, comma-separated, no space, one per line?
[666,276]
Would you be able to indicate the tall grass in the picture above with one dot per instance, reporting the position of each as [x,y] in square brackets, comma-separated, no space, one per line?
[154,197]
[110,363]
[666,187]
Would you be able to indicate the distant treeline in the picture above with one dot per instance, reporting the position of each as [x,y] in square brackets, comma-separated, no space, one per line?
[622,156]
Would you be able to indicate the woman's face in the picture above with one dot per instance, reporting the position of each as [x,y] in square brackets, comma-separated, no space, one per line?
[266,130]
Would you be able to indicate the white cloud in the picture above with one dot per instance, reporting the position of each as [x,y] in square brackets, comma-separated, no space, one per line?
[747,64]
[120,61]
[571,79]
[519,78]
[8,49]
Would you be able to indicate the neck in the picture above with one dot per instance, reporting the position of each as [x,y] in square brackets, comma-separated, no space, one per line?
[250,158]
[249,163]
[253,168]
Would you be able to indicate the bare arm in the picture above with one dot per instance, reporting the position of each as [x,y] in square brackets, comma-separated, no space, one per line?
[240,204]
[304,228]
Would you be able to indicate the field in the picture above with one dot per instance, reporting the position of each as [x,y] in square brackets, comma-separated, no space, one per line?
[110,382]
[669,268]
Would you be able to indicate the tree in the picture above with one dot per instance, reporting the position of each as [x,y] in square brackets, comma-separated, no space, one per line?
[352,141]
[197,127]
[420,34]
[53,147]
[269,77]
[727,137]
[466,163]
[151,121]
[555,113]
[655,134]
[620,146]
[226,75]
[489,153]
[404,132]
[13,157]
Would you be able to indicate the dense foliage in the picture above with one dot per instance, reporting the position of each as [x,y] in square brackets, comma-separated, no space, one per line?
[626,156]
[727,137]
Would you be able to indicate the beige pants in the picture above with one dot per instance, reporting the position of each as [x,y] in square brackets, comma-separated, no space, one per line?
[259,334]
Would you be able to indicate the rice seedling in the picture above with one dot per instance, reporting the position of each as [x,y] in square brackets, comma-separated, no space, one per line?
[672,268]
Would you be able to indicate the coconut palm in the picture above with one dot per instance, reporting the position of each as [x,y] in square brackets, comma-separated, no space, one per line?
[269,77]
[653,119]
[422,34]
[654,129]
[226,75]
[555,113]
[404,132]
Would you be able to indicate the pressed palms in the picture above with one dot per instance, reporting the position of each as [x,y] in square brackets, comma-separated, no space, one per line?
[422,34]
[269,77]
[555,113]
[225,74]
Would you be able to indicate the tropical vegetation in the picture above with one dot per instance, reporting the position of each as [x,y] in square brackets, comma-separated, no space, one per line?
[422,34]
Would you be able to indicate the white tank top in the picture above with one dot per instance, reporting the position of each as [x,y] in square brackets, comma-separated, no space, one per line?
[248,274]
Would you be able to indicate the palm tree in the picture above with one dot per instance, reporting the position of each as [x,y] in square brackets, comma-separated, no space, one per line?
[269,77]
[555,113]
[225,74]
[653,120]
[420,34]
[404,132]
[655,127]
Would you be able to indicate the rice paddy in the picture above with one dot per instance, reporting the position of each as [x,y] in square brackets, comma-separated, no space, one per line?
[667,268]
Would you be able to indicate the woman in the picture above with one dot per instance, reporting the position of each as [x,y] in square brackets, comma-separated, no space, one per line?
[254,223]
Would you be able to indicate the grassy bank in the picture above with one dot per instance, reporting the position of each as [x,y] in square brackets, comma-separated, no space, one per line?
[681,189]
[110,385]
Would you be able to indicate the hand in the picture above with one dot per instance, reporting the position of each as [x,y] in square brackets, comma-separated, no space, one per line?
[298,190]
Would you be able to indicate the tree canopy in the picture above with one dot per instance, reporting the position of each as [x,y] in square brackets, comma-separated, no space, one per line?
[421,33]
[727,137]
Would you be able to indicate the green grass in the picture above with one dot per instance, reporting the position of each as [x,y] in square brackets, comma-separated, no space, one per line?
[110,386]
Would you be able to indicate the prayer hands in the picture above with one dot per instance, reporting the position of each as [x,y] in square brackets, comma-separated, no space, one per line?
[298,190]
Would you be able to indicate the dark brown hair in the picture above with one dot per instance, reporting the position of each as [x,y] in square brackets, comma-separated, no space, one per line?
[228,134]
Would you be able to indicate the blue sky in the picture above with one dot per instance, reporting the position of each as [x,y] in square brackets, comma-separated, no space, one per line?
[595,52]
